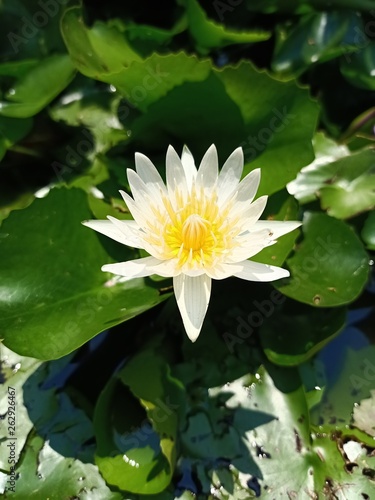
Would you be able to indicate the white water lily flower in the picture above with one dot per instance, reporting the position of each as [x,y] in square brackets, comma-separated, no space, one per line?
[200,226]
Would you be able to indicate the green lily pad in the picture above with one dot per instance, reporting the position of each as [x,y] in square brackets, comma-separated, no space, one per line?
[329,267]
[276,254]
[45,473]
[131,454]
[14,371]
[316,463]
[368,231]
[345,185]
[54,438]
[11,131]
[306,185]
[353,384]
[290,338]
[96,110]
[38,87]
[54,295]
[352,189]
[358,68]
[364,415]
[273,137]
[280,119]
[318,36]
[99,50]
[209,34]
[103,53]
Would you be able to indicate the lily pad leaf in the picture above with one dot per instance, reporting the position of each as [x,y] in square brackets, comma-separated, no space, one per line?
[44,473]
[15,370]
[358,68]
[49,309]
[346,389]
[311,178]
[276,254]
[364,415]
[209,34]
[368,231]
[291,338]
[95,109]
[38,87]
[278,135]
[97,51]
[317,37]
[329,267]
[344,182]
[11,131]
[138,454]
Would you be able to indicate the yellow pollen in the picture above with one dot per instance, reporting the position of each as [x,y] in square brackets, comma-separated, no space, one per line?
[194,232]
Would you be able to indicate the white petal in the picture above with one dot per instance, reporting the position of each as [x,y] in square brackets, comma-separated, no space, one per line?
[188,164]
[143,267]
[131,231]
[148,173]
[248,187]
[175,174]
[249,214]
[139,215]
[208,169]
[126,234]
[230,175]
[254,271]
[277,228]
[250,243]
[193,296]
[132,268]
[223,271]
[143,194]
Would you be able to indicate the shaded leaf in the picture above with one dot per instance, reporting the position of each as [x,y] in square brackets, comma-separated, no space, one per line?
[368,231]
[290,339]
[131,454]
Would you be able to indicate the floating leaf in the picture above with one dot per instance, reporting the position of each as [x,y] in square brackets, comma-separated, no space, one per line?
[318,36]
[358,68]
[276,254]
[312,177]
[131,454]
[329,267]
[291,338]
[209,34]
[368,231]
[364,415]
[38,87]
[50,309]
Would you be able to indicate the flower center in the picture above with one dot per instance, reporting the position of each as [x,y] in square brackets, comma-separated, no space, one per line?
[194,232]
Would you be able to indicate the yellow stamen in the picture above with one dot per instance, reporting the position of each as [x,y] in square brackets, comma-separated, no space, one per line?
[194,232]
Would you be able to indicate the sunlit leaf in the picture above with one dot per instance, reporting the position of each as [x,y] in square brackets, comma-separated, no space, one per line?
[50,309]
[38,87]
[329,267]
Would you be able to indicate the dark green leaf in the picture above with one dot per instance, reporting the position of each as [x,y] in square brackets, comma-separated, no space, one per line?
[317,37]
[358,68]
[368,231]
[290,339]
